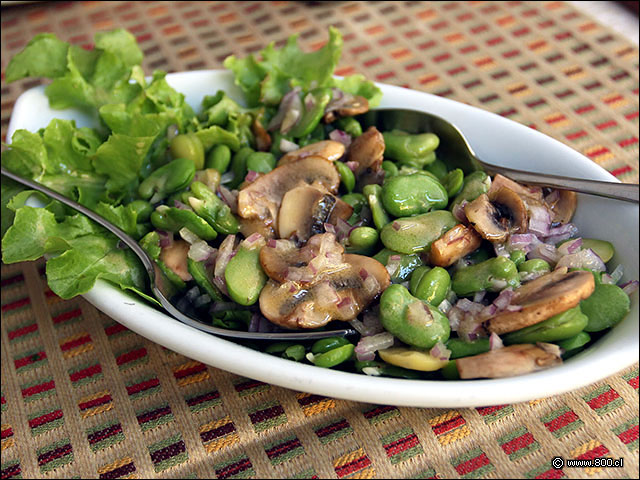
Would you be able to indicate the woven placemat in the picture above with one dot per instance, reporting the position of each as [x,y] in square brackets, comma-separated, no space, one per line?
[83,396]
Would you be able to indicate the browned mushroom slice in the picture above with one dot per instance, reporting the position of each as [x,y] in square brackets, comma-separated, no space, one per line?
[564,206]
[336,295]
[329,149]
[355,106]
[453,245]
[175,258]
[526,192]
[249,226]
[507,362]
[283,261]
[263,139]
[261,199]
[494,221]
[305,210]
[543,298]
[508,201]
[367,151]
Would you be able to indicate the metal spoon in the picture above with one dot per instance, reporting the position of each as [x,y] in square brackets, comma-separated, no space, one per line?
[162,288]
[454,150]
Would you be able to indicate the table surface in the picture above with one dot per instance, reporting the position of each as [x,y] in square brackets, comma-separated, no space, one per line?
[83,396]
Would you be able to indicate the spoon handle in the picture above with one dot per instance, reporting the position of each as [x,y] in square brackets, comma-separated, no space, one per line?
[620,191]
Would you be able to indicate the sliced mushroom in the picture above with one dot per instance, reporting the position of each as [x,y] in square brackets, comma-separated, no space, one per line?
[263,139]
[526,192]
[355,106]
[453,245]
[543,298]
[329,149]
[498,216]
[367,151]
[507,362]
[564,207]
[261,199]
[307,291]
[175,258]
[305,210]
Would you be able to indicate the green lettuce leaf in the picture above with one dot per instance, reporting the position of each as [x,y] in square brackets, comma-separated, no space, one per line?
[357,84]
[44,56]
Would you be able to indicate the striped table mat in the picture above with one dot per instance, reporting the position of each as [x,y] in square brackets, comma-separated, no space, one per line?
[82,396]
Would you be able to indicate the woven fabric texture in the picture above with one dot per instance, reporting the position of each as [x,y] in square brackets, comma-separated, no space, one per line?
[82,396]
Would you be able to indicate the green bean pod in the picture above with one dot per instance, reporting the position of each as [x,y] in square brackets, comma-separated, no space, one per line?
[172,219]
[347,177]
[334,357]
[169,178]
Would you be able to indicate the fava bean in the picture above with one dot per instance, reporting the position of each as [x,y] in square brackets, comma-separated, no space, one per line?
[278,347]
[334,357]
[325,344]
[491,275]
[474,185]
[261,162]
[416,277]
[347,177]
[518,257]
[460,348]
[219,158]
[433,286]
[374,197]
[142,209]
[239,166]
[363,240]
[534,265]
[407,264]
[572,343]
[412,320]
[450,371]
[387,370]
[453,181]
[172,219]
[416,150]
[244,276]
[294,352]
[188,146]
[204,279]
[559,327]
[416,234]
[169,178]
[150,243]
[349,125]
[607,305]
[211,208]
[390,169]
[437,168]
[602,248]
[406,195]
[412,359]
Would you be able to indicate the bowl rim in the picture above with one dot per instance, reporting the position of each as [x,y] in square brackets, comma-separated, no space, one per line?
[581,370]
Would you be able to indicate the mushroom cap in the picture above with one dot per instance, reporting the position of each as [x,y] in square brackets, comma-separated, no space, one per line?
[543,298]
[564,207]
[367,151]
[261,199]
[337,287]
[453,245]
[498,216]
[175,258]
[305,210]
[507,362]
[329,149]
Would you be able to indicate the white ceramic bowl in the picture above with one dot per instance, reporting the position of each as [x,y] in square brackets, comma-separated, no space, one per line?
[494,139]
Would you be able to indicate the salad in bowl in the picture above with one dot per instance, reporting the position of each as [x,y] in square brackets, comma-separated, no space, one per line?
[283,210]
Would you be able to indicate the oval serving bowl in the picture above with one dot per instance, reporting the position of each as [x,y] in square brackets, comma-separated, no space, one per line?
[494,139]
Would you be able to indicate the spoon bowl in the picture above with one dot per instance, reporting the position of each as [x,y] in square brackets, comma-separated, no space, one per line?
[456,152]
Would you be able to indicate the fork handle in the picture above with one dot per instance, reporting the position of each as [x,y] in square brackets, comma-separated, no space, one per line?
[627,192]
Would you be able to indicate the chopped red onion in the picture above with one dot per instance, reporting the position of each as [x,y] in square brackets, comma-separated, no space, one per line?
[188,235]
[344,302]
[445,306]
[372,324]
[358,326]
[479,296]
[343,228]
[539,220]
[227,177]
[202,300]
[200,251]
[396,226]
[553,197]
[353,165]
[225,253]
[440,351]
[181,206]
[252,176]
[583,259]
[544,251]
[253,240]
[495,342]
[418,313]
[504,298]
[393,264]
[458,212]
[500,249]
[272,243]
[288,113]
[563,232]
[488,312]
[522,241]
[329,228]
[309,101]
[340,136]
[166,239]
[617,273]
[570,246]
[513,308]
[455,316]
[467,305]
[368,345]
[287,146]
[363,274]
[230,198]
[339,99]
[254,323]
[629,287]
